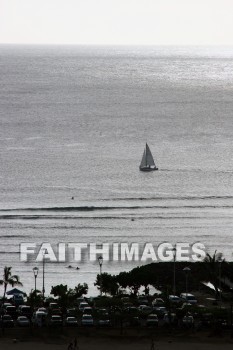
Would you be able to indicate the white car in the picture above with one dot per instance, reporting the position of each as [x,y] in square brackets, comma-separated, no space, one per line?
[23,321]
[71,321]
[189,298]
[43,309]
[39,318]
[87,320]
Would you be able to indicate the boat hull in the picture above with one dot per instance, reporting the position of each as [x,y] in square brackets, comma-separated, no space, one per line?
[147,169]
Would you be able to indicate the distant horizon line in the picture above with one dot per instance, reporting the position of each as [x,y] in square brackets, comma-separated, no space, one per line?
[116,45]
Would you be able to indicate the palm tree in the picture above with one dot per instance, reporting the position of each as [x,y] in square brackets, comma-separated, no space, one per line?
[9,279]
[213,265]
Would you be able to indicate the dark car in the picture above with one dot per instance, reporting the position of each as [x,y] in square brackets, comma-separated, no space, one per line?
[12,311]
[135,321]
[23,321]
[6,321]
[206,320]
[18,299]
[56,312]
[56,320]
[4,305]
[104,322]
[25,310]
[133,311]
[72,312]
[152,320]
[53,306]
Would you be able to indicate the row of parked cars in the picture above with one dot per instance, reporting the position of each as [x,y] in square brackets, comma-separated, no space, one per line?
[24,315]
[86,314]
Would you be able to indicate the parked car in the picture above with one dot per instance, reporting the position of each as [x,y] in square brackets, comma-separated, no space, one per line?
[56,312]
[125,299]
[82,306]
[6,321]
[104,322]
[160,311]
[79,300]
[102,312]
[18,299]
[158,302]
[25,310]
[23,321]
[142,300]
[39,318]
[53,306]
[189,298]
[12,311]
[135,321]
[174,299]
[144,309]
[187,307]
[88,310]
[55,320]
[5,305]
[87,320]
[167,319]
[132,311]
[71,321]
[43,309]
[152,320]
[188,321]
[71,312]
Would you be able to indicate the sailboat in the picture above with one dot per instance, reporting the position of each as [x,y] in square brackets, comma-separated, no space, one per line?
[147,163]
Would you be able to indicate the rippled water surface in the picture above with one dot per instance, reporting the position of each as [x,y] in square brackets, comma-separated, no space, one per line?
[74,122]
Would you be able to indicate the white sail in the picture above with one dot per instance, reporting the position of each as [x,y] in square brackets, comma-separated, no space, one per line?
[149,157]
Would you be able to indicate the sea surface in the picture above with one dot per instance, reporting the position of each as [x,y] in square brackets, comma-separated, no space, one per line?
[74,122]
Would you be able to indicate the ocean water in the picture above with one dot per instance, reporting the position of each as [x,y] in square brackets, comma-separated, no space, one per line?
[74,122]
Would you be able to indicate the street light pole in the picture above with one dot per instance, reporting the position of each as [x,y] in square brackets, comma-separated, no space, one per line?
[220,277]
[43,273]
[174,271]
[186,271]
[35,271]
[100,259]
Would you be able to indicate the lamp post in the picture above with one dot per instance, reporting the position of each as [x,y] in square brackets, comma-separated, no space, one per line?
[43,273]
[174,270]
[100,259]
[35,271]
[186,271]
[220,260]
